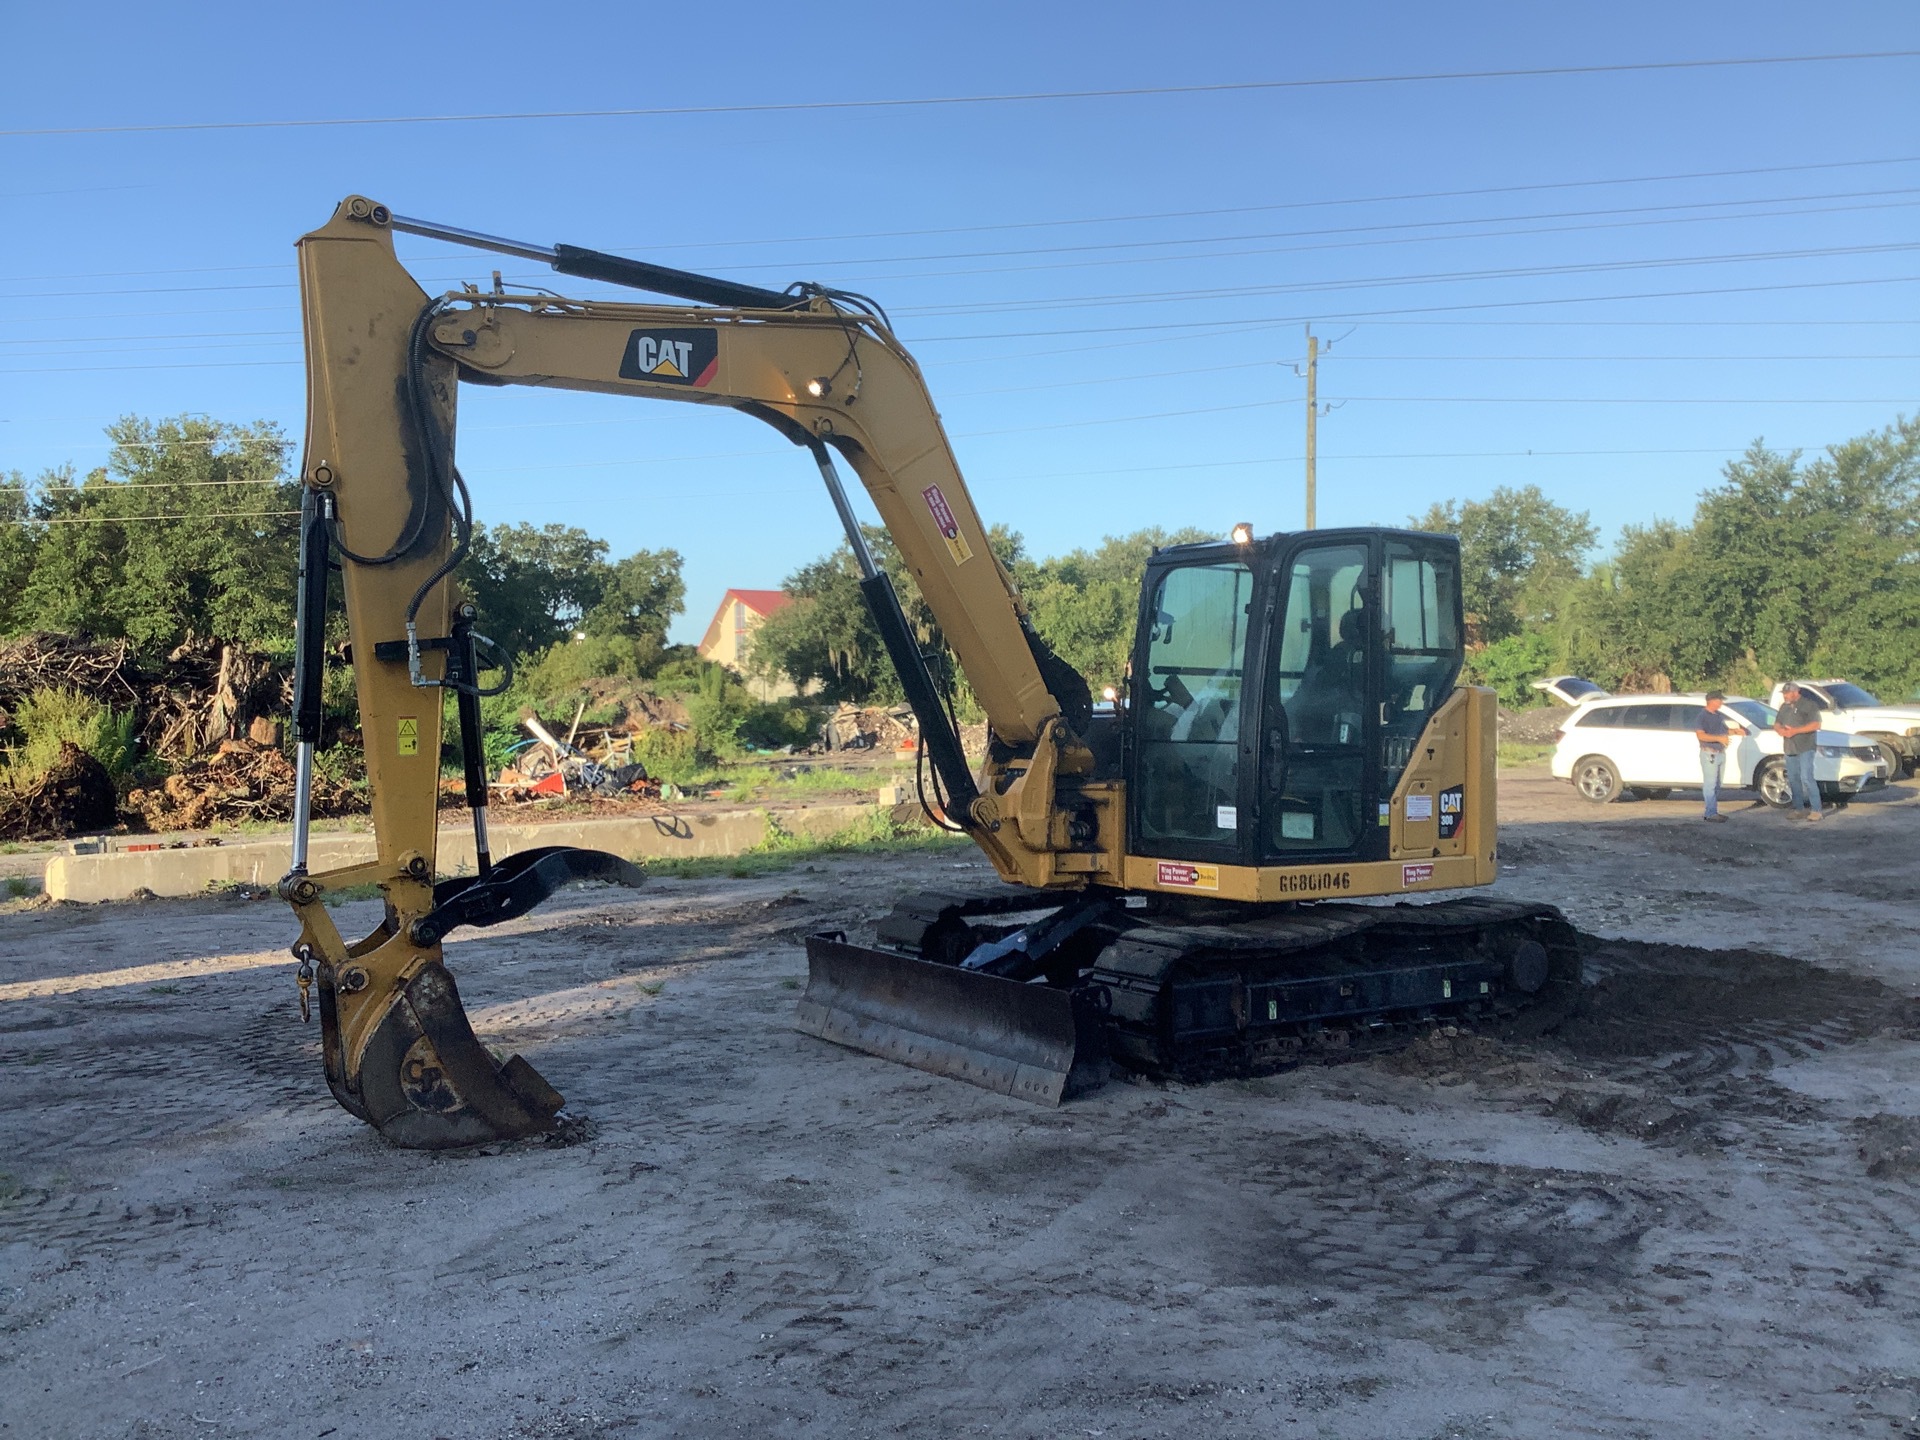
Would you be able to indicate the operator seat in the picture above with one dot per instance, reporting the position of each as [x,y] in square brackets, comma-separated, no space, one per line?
[1333,691]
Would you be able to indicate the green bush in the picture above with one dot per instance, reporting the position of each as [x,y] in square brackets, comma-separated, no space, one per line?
[669,755]
[555,678]
[776,726]
[1510,666]
[51,717]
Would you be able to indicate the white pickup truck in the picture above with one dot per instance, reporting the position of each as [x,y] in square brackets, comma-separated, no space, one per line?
[1894,728]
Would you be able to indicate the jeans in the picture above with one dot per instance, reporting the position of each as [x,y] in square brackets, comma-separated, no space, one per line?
[1806,790]
[1712,763]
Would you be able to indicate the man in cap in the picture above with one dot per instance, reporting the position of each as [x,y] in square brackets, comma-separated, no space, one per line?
[1798,723]
[1713,727]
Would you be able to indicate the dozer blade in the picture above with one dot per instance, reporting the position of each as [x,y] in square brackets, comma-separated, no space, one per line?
[1026,1040]
[426,1081]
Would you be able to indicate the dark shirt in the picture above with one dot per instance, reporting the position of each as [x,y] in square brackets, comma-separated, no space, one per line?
[1712,722]
[1799,712]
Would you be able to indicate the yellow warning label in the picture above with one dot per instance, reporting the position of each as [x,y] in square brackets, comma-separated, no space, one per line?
[409,735]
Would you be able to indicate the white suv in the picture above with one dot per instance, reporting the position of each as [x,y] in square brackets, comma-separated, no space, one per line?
[1644,745]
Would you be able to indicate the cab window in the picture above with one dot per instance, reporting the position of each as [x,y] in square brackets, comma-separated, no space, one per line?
[1194,663]
[1422,604]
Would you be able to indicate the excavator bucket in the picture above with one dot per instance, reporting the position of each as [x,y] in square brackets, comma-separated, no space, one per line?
[426,1081]
[420,1075]
[1027,1040]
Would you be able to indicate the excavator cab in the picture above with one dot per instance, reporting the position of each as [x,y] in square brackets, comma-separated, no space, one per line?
[1279,687]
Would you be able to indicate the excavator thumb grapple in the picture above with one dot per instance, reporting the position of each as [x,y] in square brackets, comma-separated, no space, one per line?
[399,1050]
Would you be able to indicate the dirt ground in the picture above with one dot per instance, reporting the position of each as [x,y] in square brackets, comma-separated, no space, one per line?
[1691,1212]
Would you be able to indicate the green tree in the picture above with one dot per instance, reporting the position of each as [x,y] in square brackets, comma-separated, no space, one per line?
[1816,566]
[187,532]
[1519,553]
[1086,602]
[639,598]
[826,637]
[1083,604]
[533,587]
[1640,621]
[19,539]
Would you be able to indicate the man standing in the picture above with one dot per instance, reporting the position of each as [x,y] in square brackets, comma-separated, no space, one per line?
[1798,722]
[1711,728]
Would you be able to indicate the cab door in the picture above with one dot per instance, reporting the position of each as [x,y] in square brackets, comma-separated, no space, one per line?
[1190,712]
[1320,738]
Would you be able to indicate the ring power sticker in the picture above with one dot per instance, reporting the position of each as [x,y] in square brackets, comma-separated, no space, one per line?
[1419,807]
[409,735]
[949,527]
[1415,875]
[1191,877]
[672,357]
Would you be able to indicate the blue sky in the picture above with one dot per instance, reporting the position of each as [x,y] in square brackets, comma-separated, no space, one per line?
[1108,294]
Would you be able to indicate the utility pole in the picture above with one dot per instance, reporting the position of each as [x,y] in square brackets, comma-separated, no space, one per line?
[1313,365]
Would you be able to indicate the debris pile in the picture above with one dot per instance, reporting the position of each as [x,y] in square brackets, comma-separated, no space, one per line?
[73,796]
[601,764]
[1532,727]
[241,780]
[60,662]
[854,728]
[207,692]
[210,693]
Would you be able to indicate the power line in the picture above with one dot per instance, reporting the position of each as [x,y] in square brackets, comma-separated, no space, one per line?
[980,481]
[928,102]
[1270,321]
[424,273]
[988,481]
[1317,248]
[1290,205]
[1622,400]
[655,246]
[1349,358]
[1092,302]
[1376,282]
[293,334]
[1124,379]
[138,519]
[115,487]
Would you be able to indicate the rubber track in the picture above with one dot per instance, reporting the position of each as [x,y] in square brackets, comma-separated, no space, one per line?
[1317,940]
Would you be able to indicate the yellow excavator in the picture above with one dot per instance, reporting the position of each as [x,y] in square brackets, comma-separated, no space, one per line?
[1194,869]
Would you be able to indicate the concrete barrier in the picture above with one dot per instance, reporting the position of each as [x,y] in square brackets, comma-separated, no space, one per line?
[682,835]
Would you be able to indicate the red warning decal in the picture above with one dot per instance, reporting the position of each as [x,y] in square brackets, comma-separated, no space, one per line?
[1192,877]
[949,527]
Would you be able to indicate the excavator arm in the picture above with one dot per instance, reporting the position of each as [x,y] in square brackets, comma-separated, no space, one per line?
[384,501]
